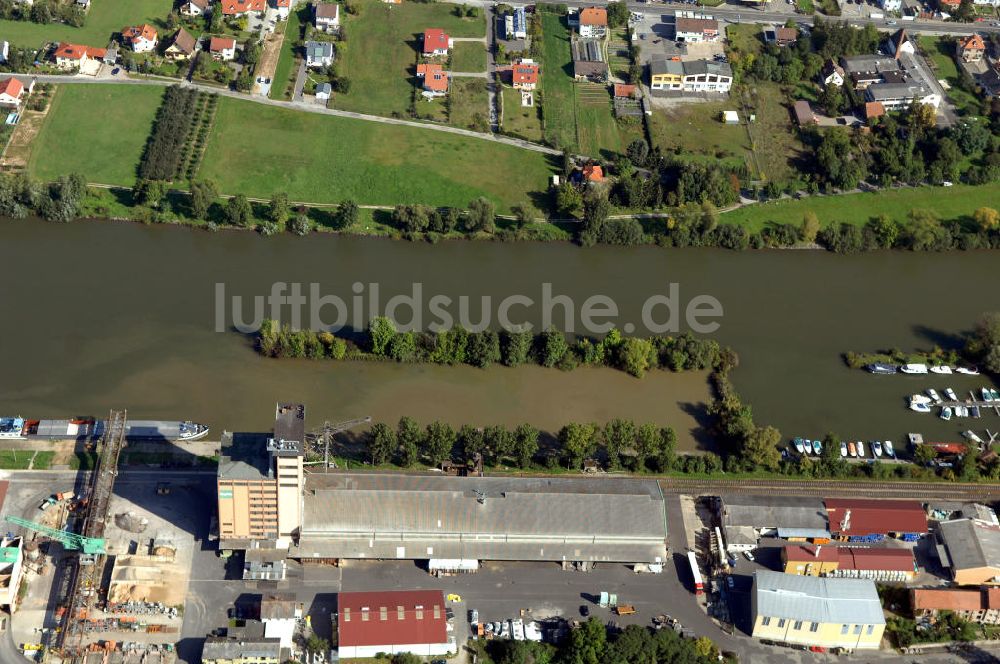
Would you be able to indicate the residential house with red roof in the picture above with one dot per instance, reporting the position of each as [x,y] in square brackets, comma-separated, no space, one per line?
[593,22]
[182,46]
[971,48]
[222,48]
[240,7]
[11,93]
[68,56]
[326,16]
[593,173]
[524,75]
[283,7]
[433,77]
[395,621]
[140,38]
[436,42]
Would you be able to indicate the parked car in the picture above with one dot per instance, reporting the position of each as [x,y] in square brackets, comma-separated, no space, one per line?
[748,556]
[730,583]
[584,610]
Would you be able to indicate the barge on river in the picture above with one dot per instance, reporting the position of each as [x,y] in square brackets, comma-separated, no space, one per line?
[89,428]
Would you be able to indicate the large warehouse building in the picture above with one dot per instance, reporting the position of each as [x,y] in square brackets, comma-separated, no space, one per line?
[454,522]
[972,551]
[268,506]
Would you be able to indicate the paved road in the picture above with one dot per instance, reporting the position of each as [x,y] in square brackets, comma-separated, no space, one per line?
[298,106]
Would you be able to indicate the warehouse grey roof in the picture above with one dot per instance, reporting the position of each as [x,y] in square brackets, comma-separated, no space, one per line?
[703,67]
[220,647]
[869,64]
[498,518]
[244,456]
[588,50]
[774,512]
[885,91]
[971,544]
[816,599]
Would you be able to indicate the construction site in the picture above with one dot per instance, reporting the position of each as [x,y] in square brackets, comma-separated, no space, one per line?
[106,574]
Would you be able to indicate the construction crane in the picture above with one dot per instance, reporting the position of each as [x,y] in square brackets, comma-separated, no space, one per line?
[326,433]
[70,541]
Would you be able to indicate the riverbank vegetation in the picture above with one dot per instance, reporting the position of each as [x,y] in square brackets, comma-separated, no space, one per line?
[933,357]
[457,345]
[593,642]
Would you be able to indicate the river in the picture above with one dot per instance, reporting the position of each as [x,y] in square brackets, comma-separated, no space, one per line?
[96,315]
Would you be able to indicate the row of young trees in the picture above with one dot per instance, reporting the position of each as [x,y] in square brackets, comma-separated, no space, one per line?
[620,444]
[457,345]
[164,153]
[43,11]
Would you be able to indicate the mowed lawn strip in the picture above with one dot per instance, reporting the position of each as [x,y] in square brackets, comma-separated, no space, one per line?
[283,75]
[521,121]
[97,130]
[380,52]
[325,159]
[956,202]
[468,57]
[595,121]
[104,18]
[557,83]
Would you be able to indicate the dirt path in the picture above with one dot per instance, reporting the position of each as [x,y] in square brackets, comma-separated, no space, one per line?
[18,152]
[269,56]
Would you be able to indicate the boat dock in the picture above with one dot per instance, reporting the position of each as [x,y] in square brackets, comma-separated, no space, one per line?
[970,403]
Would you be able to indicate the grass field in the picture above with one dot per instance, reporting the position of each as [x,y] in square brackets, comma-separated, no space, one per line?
[521,121]
[380,51]
[941,51]
[698,130]
[468,56]
[557,83]
[326,159]
[284,72]
[577,115]
[43,460]
[469,108]
[104,18]
[745,38]
[97,130]
[776,141]
[947,202]
[15,459]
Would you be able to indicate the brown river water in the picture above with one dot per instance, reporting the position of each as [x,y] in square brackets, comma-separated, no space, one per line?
[95,315]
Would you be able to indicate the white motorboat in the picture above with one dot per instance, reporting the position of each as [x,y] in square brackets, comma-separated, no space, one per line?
[798,445]
[945,413]
[919,398]
[971,436]
[877,448]
[807,446]
[843,449]
[986,393]
[961,411]
[914,368]
[950,393]
[888,448]
[860,447]
[817,447]
[920,407]
[934,395]
[968,371]
[942,369]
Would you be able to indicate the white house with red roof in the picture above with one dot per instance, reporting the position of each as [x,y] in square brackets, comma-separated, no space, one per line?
[524,75]
[68,56]
[283,7]
[222,48]
[195,7]
[140,38]
[12,93]
[241,7]
[434,77]
[394,621]
[436,42]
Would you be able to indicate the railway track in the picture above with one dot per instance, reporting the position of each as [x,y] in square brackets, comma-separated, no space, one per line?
[851,489]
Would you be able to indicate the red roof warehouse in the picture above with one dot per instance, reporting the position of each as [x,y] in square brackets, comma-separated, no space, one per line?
[391,622]
[852,519]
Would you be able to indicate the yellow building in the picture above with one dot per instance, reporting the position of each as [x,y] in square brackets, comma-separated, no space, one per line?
[665,74]
[812,611]
[260,483]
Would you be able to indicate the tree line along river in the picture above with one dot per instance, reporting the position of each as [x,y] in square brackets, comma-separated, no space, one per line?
[95,315]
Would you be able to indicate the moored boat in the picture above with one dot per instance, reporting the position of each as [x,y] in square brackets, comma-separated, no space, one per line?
[882,368]
[861,448]
[971,435]
[888,448]
[798,445]
[968,371]
[914,368]
[941,369]
[877,448]
[945,413]
[986,394]
[852,449]
[843,449]
[934,395]
[817,447]
[950,393]
[12,428]
[920,407]
[961,411]
[88,428]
